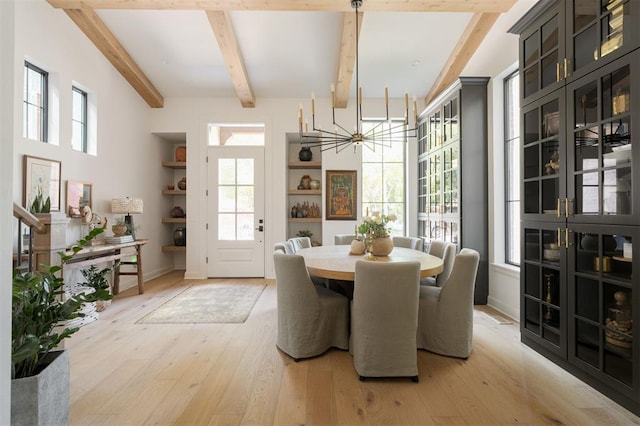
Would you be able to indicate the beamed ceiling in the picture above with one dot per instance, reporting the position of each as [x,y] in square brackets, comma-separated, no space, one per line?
[285,48]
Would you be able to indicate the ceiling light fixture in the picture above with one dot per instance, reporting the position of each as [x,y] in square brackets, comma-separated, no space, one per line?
[381,134]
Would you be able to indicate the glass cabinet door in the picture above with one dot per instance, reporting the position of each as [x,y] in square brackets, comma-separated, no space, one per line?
[598,31]
[543,159]
[601,301]
[543,305]
[601,181]
[541,54]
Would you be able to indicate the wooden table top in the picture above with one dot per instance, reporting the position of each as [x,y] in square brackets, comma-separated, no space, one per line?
[335,262]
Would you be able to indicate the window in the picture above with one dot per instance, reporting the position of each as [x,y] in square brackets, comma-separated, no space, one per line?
[35,103]
[79,120]
[383,179]
[512,168]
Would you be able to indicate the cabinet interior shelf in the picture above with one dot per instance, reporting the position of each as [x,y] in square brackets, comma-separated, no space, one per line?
[305,219]
[169,249]
[175,164]
[305,165]
[305,192]
[174,220]
[174,192]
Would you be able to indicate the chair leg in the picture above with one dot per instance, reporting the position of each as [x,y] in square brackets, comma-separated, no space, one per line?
[415,379]
[296,359]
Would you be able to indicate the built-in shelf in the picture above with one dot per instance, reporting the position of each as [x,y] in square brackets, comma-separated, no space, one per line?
[174,220]
[305,165]
[305,220]
[305,192]
[172,249]
[173,192]
[175,164]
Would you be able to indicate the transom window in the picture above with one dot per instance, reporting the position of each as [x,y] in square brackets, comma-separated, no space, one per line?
[35,103]
[79,120]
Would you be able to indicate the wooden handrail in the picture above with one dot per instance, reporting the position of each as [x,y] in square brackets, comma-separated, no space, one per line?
[28,219]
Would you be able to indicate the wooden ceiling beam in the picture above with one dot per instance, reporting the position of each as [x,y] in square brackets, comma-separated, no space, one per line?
[226,37]
[347,58]
[94,28]
[475,6]
[473,35]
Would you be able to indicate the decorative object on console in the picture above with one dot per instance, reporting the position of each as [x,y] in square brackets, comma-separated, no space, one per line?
[119,228]
[127,206]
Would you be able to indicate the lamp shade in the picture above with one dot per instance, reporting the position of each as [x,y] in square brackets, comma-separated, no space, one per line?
[126,205]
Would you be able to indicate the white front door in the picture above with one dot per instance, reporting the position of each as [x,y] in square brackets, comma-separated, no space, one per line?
[236,211]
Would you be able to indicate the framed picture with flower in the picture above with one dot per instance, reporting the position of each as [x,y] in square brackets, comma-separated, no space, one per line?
[342,198]
[41,183]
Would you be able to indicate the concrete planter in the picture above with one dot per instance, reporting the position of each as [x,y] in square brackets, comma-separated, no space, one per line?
[43,399]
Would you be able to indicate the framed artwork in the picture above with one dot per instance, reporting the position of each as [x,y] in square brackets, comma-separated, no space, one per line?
[78,196]
[342,198]
[41,176]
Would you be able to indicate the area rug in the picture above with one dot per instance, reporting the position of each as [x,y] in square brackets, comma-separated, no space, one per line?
[207,303]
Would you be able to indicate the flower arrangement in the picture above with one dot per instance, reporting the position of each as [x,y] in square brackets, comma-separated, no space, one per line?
[376,225]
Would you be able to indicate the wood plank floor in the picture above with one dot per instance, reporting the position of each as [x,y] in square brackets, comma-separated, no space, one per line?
[123,373]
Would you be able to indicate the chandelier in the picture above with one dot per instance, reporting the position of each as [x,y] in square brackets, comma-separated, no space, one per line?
[383,133]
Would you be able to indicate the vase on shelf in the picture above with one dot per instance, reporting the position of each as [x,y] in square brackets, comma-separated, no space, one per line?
[305,154]
[381,246]
[182,184]
[180,237]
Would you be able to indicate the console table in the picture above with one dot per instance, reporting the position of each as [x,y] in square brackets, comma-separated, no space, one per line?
[92,255]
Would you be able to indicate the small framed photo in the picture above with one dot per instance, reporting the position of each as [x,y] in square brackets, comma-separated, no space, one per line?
[41,177]
[78,196]
[341,188]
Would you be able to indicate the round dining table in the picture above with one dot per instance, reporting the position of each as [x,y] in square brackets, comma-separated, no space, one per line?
[335,262]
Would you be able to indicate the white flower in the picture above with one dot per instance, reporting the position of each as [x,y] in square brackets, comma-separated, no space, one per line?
[378,220]
[392,217]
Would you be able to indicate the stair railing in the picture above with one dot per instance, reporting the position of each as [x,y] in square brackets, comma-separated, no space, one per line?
[32,222]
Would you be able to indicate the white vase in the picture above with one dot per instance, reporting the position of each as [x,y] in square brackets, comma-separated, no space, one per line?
[357,247]
[382,246]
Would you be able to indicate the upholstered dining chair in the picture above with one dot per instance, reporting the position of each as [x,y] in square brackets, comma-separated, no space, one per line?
[408,242]
[343,239]
[445,251]
[445,316]
[384,316]
[285,246]
[300,243]
[311,319]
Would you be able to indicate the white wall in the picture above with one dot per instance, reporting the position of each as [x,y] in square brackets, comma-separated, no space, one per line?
[127,160]
[191,115]
[6,156]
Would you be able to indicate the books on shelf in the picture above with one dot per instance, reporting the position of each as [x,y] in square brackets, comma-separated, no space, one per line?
[119,240]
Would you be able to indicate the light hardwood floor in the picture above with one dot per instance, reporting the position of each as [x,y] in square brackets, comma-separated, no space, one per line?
[123,373]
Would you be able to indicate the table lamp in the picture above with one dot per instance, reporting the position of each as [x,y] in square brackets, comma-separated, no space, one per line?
[127,206]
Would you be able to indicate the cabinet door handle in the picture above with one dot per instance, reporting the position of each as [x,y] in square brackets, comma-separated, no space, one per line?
[557,71]
[567,243]
[558,208]
[567,203]
[559,238]
[566,67]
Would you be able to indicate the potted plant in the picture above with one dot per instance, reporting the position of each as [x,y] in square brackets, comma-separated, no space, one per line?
[40,204]
[377,233]
[97,280]
[39,316]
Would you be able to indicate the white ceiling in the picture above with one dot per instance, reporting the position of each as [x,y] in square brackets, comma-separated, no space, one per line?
[291,54]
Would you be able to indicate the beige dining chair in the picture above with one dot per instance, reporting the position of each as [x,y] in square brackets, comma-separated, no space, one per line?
[285,246]
[445,251]
[300,243]
[384,318]
[408,242]
[343,239]
[445,316]
[311,319]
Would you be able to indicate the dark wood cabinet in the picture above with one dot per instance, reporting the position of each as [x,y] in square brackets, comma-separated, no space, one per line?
[580,218]
[452,172]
